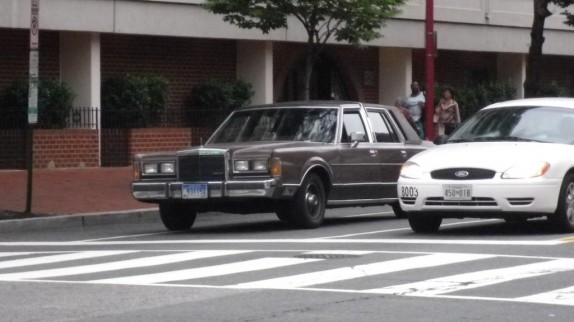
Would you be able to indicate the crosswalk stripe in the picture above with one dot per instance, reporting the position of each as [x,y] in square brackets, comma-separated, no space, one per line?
[112,266]
[449,284]
[13,254]
[59,258]
[210,271]
[563,296]
[346,273]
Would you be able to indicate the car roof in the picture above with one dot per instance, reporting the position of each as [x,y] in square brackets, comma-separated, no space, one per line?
[546,101]
[306,104]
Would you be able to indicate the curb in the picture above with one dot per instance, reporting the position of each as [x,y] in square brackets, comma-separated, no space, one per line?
[80,220]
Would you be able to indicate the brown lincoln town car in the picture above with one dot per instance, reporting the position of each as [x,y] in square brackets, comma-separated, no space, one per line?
[294,159]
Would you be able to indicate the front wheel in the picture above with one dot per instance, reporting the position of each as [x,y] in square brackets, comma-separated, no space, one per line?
[563,218]
[424,223]
[177,216]
[308,210]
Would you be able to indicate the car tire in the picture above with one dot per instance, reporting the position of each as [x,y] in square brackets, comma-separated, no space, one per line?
[563,218]
[177,216]
[284,215]
[308,210]
[399,212]
[424,223]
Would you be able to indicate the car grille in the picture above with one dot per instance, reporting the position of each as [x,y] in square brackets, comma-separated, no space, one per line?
[201,168]
[520,201]
[474,202]
[463,174]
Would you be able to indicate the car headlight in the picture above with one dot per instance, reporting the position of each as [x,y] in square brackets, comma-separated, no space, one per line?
[527,170]
[159,168]
[167,167]
[411,170]
[261,165]
[150,168]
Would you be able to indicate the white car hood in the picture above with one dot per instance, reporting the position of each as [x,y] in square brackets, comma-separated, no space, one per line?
[498,156]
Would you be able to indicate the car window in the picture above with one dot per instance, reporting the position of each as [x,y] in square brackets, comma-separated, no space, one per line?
[384,131]
[288,124]
[353,123]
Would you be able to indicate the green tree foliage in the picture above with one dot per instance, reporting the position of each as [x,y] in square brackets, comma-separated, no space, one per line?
[54,104]
[353,21]
[532,86]
[212,100]
[133,101]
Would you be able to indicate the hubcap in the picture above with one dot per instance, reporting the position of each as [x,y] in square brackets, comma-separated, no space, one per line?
[570,203]
[312,201]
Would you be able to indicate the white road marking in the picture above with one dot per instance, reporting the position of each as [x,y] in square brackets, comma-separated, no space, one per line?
[314,241]
[59,258]
[339,252]
[408,229]
[369,214]
[209,271]
[112,266]
[466,281]
[563,296]
[126,236]
[347,273]
[5,254]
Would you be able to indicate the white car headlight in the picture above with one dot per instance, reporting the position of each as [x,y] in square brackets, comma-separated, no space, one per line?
[260,165]
[150,168]
[241,166]
[167,167]
[527,170]
[411,170]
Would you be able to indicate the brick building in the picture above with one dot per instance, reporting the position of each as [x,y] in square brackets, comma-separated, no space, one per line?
[83,42]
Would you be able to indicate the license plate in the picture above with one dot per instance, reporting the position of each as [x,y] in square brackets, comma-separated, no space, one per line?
[194,191]
[457,192]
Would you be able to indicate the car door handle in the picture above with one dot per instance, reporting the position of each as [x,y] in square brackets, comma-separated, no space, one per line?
[373,152]
[404,154]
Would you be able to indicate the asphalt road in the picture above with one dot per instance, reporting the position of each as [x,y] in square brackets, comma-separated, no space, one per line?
[362,265]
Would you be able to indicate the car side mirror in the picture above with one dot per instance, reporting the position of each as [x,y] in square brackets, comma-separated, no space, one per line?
[357,137]
[441,139]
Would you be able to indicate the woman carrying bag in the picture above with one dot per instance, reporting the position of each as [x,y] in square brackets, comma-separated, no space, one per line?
[446,113]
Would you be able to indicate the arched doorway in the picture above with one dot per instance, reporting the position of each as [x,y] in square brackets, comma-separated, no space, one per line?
[328,82]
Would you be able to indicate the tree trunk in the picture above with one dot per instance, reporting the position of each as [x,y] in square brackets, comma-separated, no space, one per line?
[534,63]
[309,61]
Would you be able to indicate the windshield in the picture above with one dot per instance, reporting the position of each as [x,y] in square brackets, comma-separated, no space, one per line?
[524,123]
[285,124]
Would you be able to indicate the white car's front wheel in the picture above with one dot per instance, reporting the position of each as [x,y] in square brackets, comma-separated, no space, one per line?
[563,219]
[421,222]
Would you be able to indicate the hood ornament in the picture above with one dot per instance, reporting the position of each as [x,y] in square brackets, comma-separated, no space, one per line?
[461,174]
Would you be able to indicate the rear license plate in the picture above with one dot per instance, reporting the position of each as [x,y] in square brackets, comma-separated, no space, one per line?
[457,192]
[194,191]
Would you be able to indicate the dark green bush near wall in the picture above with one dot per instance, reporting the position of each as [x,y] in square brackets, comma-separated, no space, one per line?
[553,90]
[54,104]
[473,98]
[133,101]
[212,100]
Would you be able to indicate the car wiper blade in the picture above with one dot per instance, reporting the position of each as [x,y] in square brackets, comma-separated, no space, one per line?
[458,140]
[503,138]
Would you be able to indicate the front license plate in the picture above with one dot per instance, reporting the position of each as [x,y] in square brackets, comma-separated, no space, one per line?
[457,192]
[194,191]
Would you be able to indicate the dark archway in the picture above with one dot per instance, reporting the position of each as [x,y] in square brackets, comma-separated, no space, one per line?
[328,82]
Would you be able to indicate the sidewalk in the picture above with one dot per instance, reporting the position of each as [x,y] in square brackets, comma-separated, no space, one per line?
[70,192]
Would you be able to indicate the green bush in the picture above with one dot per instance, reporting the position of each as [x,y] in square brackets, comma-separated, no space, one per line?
[133,101]
[54,104]
[212,100]
[552,90]
[472,99]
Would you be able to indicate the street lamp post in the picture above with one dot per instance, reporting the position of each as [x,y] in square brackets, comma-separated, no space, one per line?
[430,38]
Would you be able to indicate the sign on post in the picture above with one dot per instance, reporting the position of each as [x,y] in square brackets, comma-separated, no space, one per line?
[34,60]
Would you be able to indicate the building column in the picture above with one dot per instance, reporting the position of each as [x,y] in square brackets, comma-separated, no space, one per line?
[80,69]
[255,66]
[512,68]
[395,74]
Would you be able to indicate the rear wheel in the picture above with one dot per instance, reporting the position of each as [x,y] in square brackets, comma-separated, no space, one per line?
[424,223]
[399,212]
[177,216]
[563,218]
[308,209]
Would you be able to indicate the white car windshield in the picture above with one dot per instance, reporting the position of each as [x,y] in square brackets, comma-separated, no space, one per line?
[279,124]
[521,123]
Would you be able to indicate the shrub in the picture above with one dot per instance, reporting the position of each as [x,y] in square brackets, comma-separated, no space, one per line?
[552,90]
[212,100]
[472,99]
[133,101]
[54,104]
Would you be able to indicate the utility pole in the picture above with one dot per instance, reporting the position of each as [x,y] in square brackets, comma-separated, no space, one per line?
[430,53]
[32,95]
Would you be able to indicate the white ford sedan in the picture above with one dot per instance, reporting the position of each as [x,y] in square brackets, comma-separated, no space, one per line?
[512,160]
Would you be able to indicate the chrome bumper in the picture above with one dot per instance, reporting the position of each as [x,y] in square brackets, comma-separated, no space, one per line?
[231,189]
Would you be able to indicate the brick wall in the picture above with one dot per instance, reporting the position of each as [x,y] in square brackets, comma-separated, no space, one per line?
[183,61]
[15,55]
[66,148]
[350,61]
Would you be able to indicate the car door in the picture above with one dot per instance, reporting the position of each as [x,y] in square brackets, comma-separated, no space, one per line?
[391,148]
[356,172]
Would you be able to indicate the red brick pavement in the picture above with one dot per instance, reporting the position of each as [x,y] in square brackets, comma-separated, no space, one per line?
[70,191]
